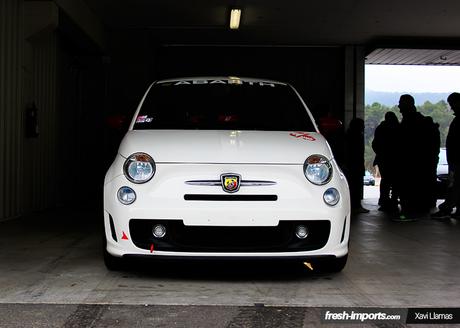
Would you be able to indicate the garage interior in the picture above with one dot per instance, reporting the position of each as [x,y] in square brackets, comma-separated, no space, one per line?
[71,75]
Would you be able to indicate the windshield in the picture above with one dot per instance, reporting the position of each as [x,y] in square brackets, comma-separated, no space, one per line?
[223,105]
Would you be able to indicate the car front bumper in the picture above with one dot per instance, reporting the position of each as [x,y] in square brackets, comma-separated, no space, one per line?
[223,228]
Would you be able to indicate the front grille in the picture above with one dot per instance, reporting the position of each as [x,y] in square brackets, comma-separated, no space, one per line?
[229,239]
[256,198]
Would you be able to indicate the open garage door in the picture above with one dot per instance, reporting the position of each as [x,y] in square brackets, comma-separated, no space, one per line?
[429,75]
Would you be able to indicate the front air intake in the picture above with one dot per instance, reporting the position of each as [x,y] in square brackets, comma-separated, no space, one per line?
[112,229]
[253,198]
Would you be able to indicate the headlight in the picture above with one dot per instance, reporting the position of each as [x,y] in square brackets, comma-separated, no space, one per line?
[317,169]
[139,168]
[331,196]
[126,195]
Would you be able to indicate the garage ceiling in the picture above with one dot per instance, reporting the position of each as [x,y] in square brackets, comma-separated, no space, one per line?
[384,56]
[296,22]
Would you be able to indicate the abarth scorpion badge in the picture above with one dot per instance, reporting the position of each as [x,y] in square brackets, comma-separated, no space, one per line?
[230,182]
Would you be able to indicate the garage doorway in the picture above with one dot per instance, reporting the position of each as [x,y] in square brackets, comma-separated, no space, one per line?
[384,84]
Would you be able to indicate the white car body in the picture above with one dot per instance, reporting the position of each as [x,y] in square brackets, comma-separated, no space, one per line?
[191,162]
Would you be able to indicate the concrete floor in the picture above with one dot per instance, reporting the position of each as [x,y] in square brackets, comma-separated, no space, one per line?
[55,258]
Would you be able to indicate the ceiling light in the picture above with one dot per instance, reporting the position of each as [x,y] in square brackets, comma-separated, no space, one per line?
[235,16]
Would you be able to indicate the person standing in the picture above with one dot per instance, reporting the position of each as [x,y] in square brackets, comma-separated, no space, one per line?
[418,155]
[453,160]
[354,163]
[385,138]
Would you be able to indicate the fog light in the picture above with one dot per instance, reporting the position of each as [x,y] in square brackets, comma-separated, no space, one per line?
[126,195]
[159,231]
[301,232]
[331,196]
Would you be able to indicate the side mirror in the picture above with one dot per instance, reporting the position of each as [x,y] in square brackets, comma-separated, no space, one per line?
[329,125]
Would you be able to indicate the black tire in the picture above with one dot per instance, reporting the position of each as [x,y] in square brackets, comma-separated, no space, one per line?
[111,262]
[333,265]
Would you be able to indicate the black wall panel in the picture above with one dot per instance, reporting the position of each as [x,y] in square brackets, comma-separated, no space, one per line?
[317,73]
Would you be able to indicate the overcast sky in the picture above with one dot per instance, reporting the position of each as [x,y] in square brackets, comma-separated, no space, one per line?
[403,78]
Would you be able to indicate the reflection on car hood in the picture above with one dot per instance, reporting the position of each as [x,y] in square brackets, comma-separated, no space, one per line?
[212,146]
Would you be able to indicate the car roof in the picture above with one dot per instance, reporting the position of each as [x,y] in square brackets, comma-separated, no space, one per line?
[246,79]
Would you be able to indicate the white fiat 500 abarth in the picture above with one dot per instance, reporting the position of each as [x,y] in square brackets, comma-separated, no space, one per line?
[225,167]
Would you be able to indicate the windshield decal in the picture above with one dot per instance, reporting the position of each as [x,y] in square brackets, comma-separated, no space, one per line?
[302,135]
[144,119]
[217,82]
[230,81]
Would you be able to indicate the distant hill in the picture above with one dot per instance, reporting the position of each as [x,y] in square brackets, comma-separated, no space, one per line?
[392,98]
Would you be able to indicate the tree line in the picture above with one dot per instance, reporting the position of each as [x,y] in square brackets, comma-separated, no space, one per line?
[374,114]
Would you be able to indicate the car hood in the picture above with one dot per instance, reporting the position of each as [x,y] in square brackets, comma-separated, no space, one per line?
[211,146]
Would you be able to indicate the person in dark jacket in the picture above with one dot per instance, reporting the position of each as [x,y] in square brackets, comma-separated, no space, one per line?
[453,159]
[418,152]
[385,138]
[354,163]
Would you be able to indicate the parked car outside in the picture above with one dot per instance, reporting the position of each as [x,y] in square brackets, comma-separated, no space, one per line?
[442,173]
[223,167]
[368,179]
